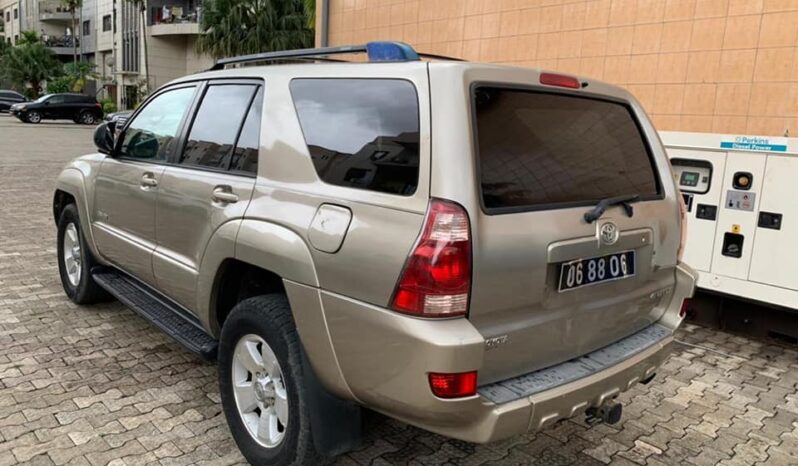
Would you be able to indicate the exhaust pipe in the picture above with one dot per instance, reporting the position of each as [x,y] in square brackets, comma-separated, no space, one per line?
[609,413]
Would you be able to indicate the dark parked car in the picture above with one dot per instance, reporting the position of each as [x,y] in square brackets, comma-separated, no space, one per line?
[119,118]
[76,107]
[9,98]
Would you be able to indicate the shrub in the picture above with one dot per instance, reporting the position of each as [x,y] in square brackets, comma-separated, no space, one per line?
[59,85]
[109,106]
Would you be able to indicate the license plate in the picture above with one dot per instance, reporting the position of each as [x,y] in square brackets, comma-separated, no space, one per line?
[585,272]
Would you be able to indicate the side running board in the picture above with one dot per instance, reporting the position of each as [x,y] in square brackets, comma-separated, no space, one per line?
[158,309]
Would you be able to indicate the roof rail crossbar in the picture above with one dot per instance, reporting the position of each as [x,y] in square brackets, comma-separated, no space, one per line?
[376,51]
[434,56]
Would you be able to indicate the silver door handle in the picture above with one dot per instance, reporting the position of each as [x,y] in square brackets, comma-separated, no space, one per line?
[148,181]
[224,194]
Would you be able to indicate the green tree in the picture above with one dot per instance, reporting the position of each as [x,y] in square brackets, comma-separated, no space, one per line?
[4,49]
[29,65]
[310,10]
[240,27]
[79,74]
[29,37]
[142,7]
[72,7]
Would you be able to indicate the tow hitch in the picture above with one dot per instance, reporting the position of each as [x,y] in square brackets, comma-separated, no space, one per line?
[609,413]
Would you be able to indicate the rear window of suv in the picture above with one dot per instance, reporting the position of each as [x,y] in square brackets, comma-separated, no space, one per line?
[540,150]
[361,133]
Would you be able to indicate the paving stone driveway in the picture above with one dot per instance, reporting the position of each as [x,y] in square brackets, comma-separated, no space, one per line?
[98,384]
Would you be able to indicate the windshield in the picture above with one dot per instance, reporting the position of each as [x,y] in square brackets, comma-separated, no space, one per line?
[538,150]
[42,98]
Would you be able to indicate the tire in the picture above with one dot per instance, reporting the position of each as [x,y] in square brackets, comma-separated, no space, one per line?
[269,319]
[87,118]
[33,117]
[79,287]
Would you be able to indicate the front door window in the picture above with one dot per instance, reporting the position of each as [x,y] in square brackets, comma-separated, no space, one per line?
[153,132]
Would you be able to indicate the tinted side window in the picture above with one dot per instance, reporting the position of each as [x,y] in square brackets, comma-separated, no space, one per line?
[215,129]
[361,133]
[56,99]
[245,157]
[151,134]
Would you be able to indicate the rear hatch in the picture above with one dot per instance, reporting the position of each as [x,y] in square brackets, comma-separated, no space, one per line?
[548,285]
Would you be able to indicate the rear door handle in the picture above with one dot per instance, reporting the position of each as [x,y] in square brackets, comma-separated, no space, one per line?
[148,180]
[224,194]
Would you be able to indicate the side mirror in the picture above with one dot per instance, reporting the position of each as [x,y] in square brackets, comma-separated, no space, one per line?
[104,137]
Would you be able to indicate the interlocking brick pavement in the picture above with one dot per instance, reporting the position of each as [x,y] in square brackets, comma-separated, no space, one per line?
[99,385]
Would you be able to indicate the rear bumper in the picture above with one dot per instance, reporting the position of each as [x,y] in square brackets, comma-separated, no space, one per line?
[384,359]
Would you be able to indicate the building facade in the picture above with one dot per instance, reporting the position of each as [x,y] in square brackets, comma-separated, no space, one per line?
[727,66]
[109,35]
[10,21]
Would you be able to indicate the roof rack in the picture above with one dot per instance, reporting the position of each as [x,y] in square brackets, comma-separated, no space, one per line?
[388,51]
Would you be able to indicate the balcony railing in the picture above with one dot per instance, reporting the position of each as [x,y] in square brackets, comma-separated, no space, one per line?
[174,20]
[63,45]
[174,14]
[53,10]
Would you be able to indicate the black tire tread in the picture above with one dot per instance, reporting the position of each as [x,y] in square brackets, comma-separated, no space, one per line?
[87,291]
[275,311]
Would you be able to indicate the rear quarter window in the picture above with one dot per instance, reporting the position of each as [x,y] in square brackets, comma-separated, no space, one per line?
[539,150]
[361,133]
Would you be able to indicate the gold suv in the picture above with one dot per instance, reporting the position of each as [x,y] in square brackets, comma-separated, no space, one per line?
[473,249]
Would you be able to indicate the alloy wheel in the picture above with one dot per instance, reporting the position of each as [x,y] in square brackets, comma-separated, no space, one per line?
[73,261]
[259,390]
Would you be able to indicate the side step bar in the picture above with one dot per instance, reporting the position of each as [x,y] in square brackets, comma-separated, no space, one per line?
[158,309]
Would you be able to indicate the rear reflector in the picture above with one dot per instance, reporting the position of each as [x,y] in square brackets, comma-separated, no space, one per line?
[436,279]
[685,307]
[453,385]
[559,80]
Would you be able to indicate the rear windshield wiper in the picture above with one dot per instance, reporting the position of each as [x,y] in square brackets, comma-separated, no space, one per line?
[626,201]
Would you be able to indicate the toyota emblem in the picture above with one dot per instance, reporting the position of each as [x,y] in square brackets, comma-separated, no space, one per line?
[608,232]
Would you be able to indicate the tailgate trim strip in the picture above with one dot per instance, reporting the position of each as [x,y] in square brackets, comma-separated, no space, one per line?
[575,369]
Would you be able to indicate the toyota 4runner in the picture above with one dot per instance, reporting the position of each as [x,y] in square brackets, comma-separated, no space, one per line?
[473,249]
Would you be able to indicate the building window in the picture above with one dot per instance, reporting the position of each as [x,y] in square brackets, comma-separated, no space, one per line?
[8,16]
[86,28]
[106,23]
[16,39]
[16,13]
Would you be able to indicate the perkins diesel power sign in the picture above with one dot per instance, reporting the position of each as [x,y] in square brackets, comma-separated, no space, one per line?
[753,143]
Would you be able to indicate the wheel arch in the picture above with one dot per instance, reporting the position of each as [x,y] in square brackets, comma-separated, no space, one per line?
[263,252]
[71,188]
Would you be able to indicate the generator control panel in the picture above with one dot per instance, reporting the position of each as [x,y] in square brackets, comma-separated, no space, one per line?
[692,176]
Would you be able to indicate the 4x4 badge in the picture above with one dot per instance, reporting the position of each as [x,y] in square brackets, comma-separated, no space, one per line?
[608,233]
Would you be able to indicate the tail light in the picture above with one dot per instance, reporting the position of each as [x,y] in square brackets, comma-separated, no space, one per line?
[458,385]
[683,223]
[436,279]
